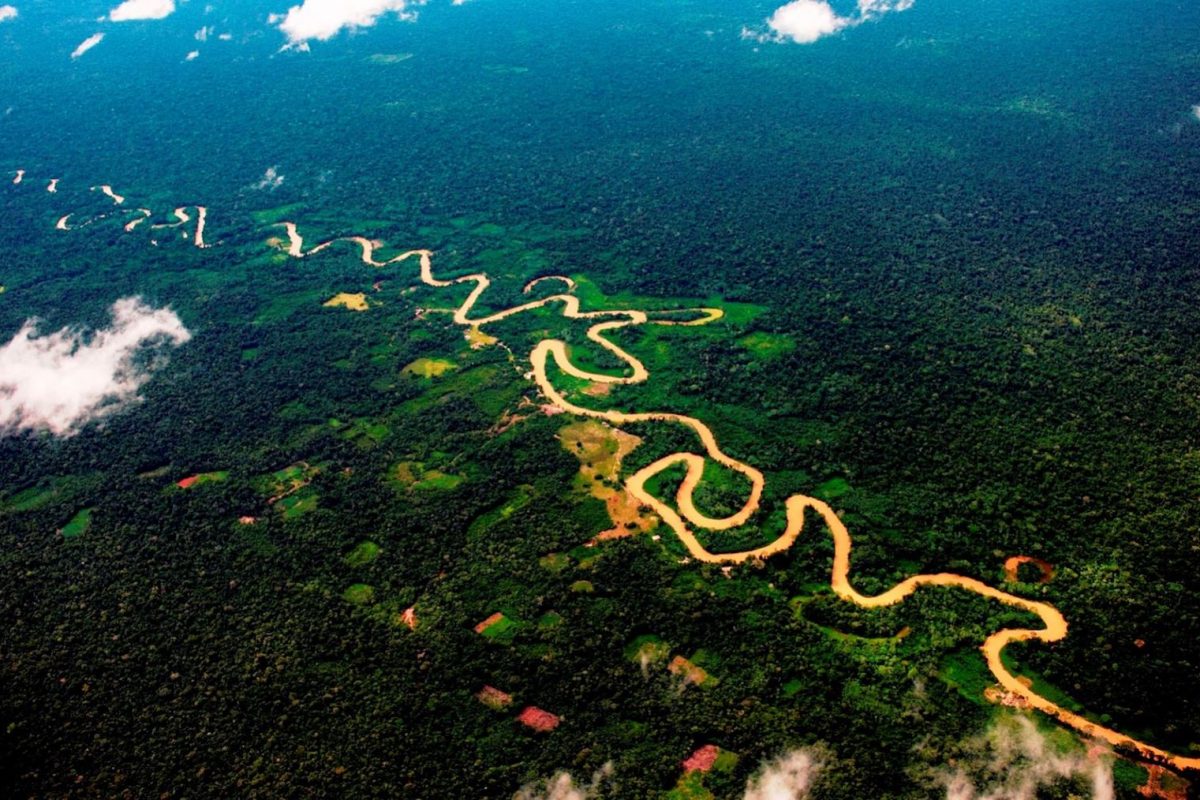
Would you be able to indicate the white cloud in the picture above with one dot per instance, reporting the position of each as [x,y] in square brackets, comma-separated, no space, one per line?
[806,21]
[87,44]
[192,56]
[1014,761]
[271,179]
[788,777]
[61,381]
[562,787]
[324,19]
[203,34]
[142,9]
[1196,111]
[7,13]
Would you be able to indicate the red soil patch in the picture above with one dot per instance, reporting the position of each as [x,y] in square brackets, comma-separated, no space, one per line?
[494,698]
[489,622]
[703,759]
[409,617]
[188,482]
[246,520]
[690,672]
[551,410]
[537,719]
[994,694]
[1164,785]
[1013,565]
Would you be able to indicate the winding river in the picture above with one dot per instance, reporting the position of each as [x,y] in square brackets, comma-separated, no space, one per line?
[684,518]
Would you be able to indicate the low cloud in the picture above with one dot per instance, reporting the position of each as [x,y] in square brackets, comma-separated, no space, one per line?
[324,19]
[271,179]
[563,787]
[788,777]
[7,13]
[142,9]
[61,381]
[1015,761]
[87,44]
[1196,112]
[806,21]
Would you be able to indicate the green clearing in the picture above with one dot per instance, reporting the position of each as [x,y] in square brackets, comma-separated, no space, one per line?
[428,368]
[690,787]
[502,630]
[555,562]
[550,620]
[359,594]
[298,504]
[648,648]
[832,489]
[412,475]
[967,673]
[767,345]
[363,554]
[30,499]
[203,479]
[78,525]
[515,503]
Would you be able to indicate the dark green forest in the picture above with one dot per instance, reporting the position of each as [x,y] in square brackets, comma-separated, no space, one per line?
[970,327]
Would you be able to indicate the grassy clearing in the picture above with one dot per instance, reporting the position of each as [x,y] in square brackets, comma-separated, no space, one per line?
[483,522]
[202,478]
[832,489]
[967,673]
[363,553]
[359,594]
[428,368]
[499,628]
[767,345]
[412,475]
[647,649]
[690,787]
[356,301]
[298,504]
[78,525]
[30,499]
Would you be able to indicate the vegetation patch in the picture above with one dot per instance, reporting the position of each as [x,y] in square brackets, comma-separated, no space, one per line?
[494,698]
[690,787]
[30,499]
[202,478]
[356,301]
[767,345]
[555,562]
[498,628]
[359,594]
[647,650]
[413,475]
[832,489]
[691,672]
[78,525]
[428,368]
[600,450]
[363,553]
[297,504]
